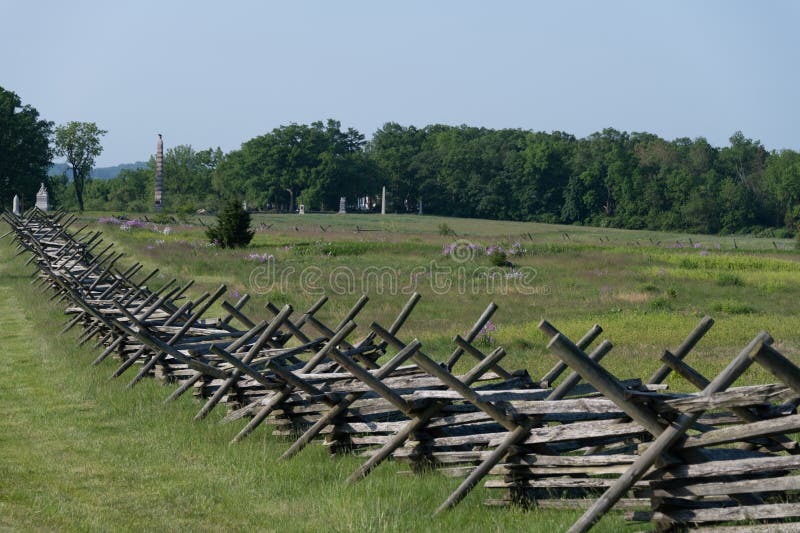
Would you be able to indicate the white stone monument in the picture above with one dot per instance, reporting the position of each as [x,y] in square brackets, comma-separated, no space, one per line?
[420,206]
[15,207]
[302,209]
[383,201]
[42,201]
[342,208]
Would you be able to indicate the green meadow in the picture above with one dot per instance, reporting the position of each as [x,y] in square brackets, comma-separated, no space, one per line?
[81,452]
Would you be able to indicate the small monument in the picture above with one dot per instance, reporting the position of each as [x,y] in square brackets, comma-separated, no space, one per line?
[302,209]
[42,201]
[342,208]
[159,203]
[383,201]
[420,207]
[15,207]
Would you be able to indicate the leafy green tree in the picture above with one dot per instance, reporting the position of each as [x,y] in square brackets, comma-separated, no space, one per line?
[543,173]
[393,149]
[79,142]
[25,153]
[319,161]
[60,196]
[232,229]
[131,190]
[188,176]
[782,185]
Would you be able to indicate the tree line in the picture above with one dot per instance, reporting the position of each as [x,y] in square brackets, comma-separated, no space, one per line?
[609,178]
[28,144]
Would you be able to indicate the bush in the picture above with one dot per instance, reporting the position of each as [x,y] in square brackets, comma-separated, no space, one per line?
[445,230]
[497,256]
[184,211]
[232,229]
[163,218]
[726,279]
[672,292]
[660,304]
[733,307]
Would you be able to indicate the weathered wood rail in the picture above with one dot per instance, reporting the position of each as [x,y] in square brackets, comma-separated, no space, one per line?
[578,437]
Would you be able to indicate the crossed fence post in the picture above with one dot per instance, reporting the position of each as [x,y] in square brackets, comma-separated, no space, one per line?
[338,338]
[666,435]
[421,418]
[521,431]
[265,337]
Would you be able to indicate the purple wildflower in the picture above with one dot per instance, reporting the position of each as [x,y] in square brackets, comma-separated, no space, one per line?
[485,335]
[261,258]
[495,248]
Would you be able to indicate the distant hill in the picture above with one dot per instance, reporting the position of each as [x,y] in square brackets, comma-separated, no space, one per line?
[101,173]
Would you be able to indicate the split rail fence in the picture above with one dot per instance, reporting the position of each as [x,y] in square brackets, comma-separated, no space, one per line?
[722,455]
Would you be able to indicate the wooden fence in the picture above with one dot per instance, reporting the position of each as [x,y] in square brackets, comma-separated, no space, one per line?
[578,437]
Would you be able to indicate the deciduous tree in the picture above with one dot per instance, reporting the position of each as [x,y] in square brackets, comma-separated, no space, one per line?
[25,153]
[79,142]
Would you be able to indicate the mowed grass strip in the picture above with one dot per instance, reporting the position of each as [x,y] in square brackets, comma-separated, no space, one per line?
[80,452]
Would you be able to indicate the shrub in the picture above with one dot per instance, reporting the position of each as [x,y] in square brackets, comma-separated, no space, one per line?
[185,211]
[497,256]
[660,304]
[649,287]
[672,292]
[732,307]
[232,229]
[726,279]
[163,218]
[445,230]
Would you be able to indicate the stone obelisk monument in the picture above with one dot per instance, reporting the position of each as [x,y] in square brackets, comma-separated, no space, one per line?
[383,200]
[15,206]
[159,204]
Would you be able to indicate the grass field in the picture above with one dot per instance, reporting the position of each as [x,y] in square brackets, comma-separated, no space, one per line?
[80,452]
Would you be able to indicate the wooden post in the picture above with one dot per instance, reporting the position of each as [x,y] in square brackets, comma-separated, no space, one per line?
[519,433]
[465,345]
[343,404]
[140,319]
[283,393]
[604,382]
[667,439]
[160,346]
[473,332]
[179,334]
[548,329]
[685,347]
[241,341]
[251,353]
[779,366]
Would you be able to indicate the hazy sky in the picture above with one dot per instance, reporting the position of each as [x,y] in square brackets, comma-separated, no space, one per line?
[219,73]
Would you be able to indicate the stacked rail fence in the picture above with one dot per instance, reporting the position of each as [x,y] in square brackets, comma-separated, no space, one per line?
[576,438]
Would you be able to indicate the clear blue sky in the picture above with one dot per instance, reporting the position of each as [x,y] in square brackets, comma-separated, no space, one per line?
[210,73]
